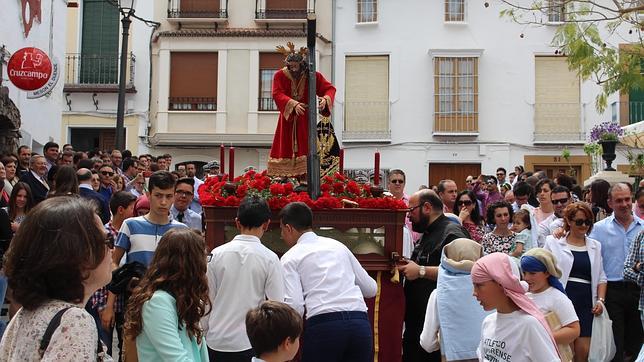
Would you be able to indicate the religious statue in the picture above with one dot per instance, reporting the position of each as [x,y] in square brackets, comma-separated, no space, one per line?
[288,157]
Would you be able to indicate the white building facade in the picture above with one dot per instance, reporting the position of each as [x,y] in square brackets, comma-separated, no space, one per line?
[40,117]
[213,66]
[446,89]
[91,63]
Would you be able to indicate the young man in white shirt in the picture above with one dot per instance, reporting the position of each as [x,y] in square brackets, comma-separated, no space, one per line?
[241,274]
[323,276]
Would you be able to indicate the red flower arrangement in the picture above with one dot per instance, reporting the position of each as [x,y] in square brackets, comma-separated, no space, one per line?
[217,191]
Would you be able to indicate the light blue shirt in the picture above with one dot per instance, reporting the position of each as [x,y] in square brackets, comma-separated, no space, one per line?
[163,337]
[616,243]
[190,218]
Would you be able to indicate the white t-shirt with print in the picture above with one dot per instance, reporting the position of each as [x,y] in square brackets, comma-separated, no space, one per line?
[515,336]
[552,300]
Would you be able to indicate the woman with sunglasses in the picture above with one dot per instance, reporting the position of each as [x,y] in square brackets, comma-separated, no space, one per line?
[580,260]
[468,212]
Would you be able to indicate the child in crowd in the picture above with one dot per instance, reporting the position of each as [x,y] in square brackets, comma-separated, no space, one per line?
[516,331]
[274,331]
[522,226]
[546,291]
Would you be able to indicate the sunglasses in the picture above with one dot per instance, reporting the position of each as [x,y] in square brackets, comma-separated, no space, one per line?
[397,181]
[107,173]
[500,174]
[464,202]
[491,182]
[581,222]
[560,201]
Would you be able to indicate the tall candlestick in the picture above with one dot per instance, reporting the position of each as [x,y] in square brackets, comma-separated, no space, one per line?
[341,162]
[231,163]
[376,176]
[222,158]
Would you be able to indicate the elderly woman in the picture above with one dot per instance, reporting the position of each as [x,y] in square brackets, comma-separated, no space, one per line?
[54,282]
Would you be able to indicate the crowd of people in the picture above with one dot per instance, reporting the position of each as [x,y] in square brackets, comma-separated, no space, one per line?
[501,267]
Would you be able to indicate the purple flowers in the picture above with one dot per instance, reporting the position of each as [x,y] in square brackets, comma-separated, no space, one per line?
[606,131]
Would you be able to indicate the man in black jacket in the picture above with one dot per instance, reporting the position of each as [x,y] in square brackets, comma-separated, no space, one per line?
[426,215]
[85,190]
[36,178]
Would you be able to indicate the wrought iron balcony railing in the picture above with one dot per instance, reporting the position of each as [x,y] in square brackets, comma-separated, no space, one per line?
[266,104]
[198,9]
[283,9]
[192,104]
[96,70]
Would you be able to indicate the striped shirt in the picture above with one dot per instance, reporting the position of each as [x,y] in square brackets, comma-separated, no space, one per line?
[139,238]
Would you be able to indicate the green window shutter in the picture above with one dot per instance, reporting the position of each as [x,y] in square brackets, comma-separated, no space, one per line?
[99,43]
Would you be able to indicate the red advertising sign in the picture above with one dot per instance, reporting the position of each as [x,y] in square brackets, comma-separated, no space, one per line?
[29,68]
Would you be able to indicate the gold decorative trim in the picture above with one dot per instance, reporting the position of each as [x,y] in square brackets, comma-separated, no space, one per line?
[287,167]
[289,107]
[329,102]
[376,317]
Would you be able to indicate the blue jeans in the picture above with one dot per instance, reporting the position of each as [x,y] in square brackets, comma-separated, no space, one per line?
[338,337]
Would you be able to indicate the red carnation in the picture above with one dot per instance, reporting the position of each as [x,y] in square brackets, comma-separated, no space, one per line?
[353,187]
[276,189]
[242,190]
[338,187]
[288,188]
[325,188]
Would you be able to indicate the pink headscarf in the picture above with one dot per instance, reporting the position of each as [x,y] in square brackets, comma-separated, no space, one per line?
[501,269]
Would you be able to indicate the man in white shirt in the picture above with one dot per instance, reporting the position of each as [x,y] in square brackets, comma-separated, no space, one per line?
[561,198]
[241,274]
[324,278]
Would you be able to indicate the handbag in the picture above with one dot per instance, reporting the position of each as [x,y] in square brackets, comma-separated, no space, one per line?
[122,276]
[602,344]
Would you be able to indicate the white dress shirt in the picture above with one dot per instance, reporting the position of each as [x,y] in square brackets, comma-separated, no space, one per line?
[241,274]
[323,275]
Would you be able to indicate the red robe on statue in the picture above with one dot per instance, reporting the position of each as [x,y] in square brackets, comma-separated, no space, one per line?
[291,141]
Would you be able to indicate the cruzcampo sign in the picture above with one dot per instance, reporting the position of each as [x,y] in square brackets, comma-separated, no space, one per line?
[29,68]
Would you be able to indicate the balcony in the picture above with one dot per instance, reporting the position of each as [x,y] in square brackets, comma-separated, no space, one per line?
[266,104]
[558,123]
[283,11]
[203,104]
[96,73]
[197,11]
[630,112]
[366,122]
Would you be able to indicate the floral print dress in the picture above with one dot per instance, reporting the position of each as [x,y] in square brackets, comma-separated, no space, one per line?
[493,243]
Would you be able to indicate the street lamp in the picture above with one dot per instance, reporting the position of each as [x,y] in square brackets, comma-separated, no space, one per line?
[126,7]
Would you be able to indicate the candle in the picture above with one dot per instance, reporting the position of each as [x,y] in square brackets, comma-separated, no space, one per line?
[376,175]
[222,158]
[231,163]
[341,163]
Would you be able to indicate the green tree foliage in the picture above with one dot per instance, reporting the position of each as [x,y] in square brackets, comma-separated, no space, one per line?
[602,39]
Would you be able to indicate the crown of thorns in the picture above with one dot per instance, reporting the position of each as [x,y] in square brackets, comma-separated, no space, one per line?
[290,53]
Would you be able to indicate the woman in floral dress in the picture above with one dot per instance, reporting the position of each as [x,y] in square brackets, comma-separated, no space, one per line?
[501,239]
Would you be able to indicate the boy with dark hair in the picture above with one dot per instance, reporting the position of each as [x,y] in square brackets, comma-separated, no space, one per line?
[274,331]
[138,237]
[241,274]
[323,278]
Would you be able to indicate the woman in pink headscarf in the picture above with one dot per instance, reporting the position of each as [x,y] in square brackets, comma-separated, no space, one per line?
[517,331]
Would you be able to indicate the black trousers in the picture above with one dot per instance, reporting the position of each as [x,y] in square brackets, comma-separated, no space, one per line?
[622,302]
[412,351]
[242,356]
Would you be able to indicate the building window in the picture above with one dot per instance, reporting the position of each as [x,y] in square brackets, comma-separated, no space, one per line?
[366,99]
[557,109]
[456,94]
[193,81]
[98,61]
[367,11]
[556,11]
[269,63]
[454,10]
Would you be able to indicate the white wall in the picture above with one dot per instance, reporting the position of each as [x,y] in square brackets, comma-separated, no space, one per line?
[409,32]
[40,117]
